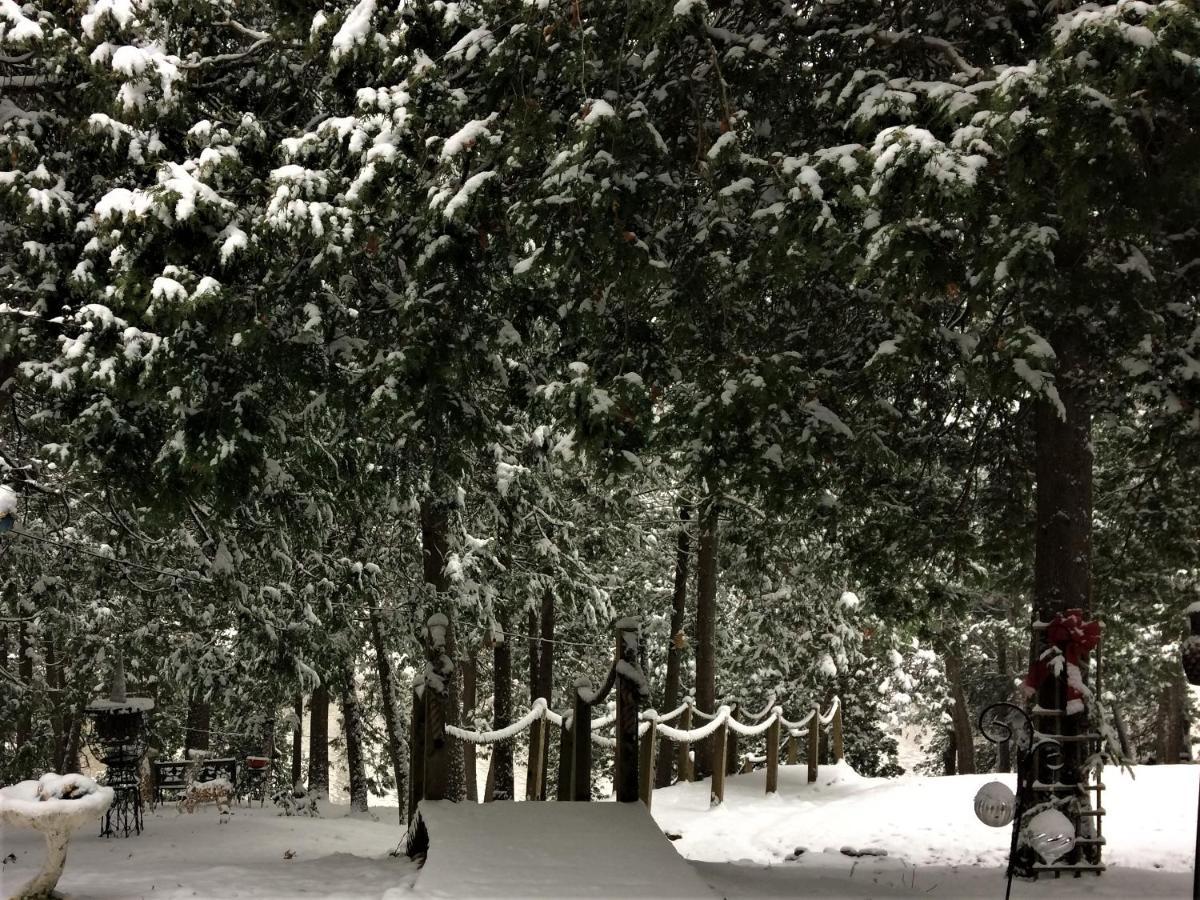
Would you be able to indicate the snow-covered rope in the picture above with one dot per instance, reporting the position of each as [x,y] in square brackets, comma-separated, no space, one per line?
[833,708]
[793,726]
[601,740]
[754,730]
[696,734]
[537,711]
[667,717]
[768,708]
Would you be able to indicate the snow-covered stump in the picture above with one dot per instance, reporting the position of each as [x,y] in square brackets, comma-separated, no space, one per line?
[56,806]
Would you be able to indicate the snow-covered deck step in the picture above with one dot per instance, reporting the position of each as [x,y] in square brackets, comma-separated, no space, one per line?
[551,850]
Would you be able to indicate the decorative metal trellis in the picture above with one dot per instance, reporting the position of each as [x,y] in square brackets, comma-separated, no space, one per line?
[119,741]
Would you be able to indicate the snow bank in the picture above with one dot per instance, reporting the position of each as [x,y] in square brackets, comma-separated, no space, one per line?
[554,850]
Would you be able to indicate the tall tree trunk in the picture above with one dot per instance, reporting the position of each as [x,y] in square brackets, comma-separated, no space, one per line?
[352,730]
[1063,536]
[298,740]
[199,722]
[1162,719]
[471,777]
[318,740]
[58,700]
[1063,469]
[531,631]
[1003,751]
[502,754]
[706,625]
[950,754]
[1175,719]
[391,711]
[70,761]
[963,738]
[435,542]
[25,674]
[675,643]
[545,685]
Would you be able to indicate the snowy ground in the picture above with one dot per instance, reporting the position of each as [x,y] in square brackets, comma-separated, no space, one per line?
[934,844]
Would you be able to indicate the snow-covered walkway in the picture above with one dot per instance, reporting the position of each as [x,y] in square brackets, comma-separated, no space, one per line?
[746,849]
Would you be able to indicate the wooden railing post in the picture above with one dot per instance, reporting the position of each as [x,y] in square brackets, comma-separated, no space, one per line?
[731,748]
[773,754]
[535,773]
[565,755]
[837,734]
[814,744]
[646,763]
[718,765]
[793,749]
[581,751]
[628,685]
[684,763]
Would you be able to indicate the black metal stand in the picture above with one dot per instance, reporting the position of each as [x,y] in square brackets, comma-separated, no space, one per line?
[1007,723]
[119,741]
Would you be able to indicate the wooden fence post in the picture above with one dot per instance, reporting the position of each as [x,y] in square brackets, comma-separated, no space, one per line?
[773,754]
[718,765]
[686,771]
[731,746]
[837,734]
[581,752]
[793,749]
[565,755]
[646,763]
[535,774]
[814,744]
[628,694]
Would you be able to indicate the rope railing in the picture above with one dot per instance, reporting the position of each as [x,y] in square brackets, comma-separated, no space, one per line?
[635,737]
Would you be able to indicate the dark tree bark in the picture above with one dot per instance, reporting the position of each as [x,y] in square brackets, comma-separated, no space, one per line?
[502,755]
[391,711]
[1063,469]
[199,723]
[471,778]
[1063,534]
[54,680]
[1176,693]
[435,542]
[964,739]
[531,630]
[352,729]
[546,677]
[298,741]
[950,754]
[706,626]
[25,674]
[671,687]
[318,740]
[1003,751]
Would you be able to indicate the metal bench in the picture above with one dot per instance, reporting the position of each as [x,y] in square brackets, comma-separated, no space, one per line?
[170,780]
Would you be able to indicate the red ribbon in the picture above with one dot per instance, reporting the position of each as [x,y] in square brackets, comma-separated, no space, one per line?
[1073,637]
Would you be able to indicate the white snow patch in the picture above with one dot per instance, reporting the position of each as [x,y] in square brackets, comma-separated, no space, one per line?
[354,30]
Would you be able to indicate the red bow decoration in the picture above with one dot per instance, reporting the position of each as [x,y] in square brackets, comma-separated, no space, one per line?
[1073,637]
